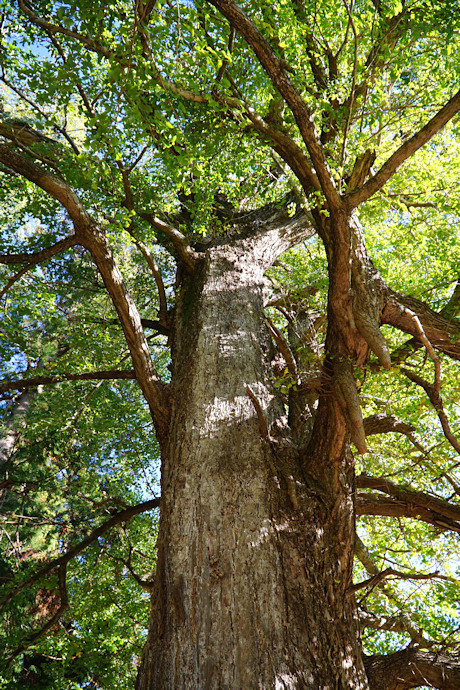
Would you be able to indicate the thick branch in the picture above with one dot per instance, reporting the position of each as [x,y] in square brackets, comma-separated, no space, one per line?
[373,504]
[281,80]
[443,333]
[410,496]
[48,182]
[90,236]
[122,516]
[385,423]
[400,624]
[152,387]
[181,245]
[411,668]
[109,375]
[404,152]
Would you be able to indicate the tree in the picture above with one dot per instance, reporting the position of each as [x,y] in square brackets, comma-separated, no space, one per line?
[190,146]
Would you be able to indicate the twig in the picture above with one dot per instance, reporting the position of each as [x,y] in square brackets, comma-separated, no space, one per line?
[29,641]
[122,516]
[390,572]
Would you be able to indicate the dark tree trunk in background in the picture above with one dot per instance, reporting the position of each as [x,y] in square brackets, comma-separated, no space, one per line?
[256,537]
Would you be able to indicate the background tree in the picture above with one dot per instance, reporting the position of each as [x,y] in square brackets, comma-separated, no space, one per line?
[258,208]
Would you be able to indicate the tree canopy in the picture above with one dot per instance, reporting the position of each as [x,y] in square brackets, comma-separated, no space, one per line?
[134,135]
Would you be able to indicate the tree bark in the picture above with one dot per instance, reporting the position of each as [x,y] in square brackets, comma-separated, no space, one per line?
[411,668]
[254,554]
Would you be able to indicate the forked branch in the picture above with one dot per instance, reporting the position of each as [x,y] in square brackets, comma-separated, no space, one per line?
[391,572]
[118,518]
[404,152]
[89,235]
[283,83]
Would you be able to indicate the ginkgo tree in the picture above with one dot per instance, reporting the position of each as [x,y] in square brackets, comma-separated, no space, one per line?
[229,240]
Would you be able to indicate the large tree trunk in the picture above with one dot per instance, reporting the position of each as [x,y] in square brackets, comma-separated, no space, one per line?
[254,552]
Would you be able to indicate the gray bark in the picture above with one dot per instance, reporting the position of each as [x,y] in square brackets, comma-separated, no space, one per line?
[255,545]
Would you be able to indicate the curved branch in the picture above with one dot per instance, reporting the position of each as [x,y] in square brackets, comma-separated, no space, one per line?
[89,235]
[48,182]
[372,568]
[433,393]
[400,624]
[411,668]
[385,423]
[283,347]
[443,333]
[391,572]
[122,516]
[152,264]
[181,245]
[57,29]
[14,279]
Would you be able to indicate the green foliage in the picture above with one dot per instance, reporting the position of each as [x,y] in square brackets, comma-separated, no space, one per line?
[178,121]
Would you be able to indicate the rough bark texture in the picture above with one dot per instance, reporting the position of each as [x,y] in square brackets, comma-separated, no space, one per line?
[412,668]
[254,555]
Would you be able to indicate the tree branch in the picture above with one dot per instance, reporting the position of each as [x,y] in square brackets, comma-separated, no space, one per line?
[404,152]
[411,668]
[410,496]
[400,624]
[373,504]
[51,184]
[281,80]
[283,347]
[11,281]
[36,257]
[64,603]
[415,632]
[57,29]
[181,245]
[390,572]
[109,375]
[433,393]
[89,235]
[385,423]
[122,516]
[443,333]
